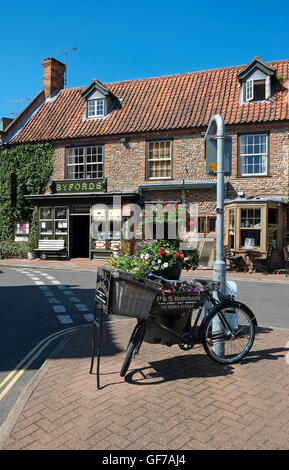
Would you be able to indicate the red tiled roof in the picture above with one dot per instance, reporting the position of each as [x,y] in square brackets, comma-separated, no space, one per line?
[154,104]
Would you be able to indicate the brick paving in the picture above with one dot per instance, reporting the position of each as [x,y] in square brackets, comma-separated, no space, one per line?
[170,400]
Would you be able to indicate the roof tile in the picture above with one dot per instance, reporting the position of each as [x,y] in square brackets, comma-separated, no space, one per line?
[153,104]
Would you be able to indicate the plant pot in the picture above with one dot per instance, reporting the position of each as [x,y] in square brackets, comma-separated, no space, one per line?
[31,255]
[174,272]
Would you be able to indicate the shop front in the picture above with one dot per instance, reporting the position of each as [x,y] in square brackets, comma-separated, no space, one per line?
[82,214]
[253,224]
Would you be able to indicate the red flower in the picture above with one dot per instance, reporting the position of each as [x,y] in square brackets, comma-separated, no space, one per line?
[162,252]
[164,203]
[144,215]
[178,255]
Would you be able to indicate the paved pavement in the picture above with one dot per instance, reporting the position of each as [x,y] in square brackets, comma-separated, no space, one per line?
[170,399]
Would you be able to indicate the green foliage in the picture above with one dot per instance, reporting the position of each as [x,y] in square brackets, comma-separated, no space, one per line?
[154,256]
[33,165]
[33,230]
[10,249]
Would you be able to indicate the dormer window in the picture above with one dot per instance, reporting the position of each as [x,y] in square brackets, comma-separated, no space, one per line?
[95,108]
[99,100]
[258,90]
[256,83]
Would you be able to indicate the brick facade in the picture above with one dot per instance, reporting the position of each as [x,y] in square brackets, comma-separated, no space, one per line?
[124,165]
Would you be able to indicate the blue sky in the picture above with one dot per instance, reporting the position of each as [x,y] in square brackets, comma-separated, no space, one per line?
[121,40]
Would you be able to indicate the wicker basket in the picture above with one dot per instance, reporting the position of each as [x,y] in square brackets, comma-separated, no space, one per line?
[131,295]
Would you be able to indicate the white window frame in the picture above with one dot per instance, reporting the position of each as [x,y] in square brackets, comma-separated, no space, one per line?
[95,102]
[264,156]
[249,90]
[268,87]
[85,164]
[153,160]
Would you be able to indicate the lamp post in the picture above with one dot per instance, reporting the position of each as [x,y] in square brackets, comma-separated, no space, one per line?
[219,267]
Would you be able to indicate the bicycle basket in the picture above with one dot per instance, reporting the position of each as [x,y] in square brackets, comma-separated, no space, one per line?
[130,295]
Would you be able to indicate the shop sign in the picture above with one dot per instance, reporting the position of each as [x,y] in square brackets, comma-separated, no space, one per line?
[21,231]
[78,186]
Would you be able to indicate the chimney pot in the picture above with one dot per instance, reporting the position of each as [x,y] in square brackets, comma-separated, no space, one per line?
[53,76]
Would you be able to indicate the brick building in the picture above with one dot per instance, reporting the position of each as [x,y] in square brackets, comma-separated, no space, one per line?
[143,140]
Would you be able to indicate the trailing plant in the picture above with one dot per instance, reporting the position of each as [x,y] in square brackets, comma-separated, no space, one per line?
[32,165]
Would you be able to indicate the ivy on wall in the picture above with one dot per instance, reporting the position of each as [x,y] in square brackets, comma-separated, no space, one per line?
[33,165]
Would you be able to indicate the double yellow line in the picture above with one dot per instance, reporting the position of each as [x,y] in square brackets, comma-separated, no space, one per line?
[23,365]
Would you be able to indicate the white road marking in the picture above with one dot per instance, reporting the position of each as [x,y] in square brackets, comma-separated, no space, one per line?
[54,301]
[39,283]
[82,307]
[59,308]
[88,316]
[74,299]
[55,282]
[67,292]
[64,319]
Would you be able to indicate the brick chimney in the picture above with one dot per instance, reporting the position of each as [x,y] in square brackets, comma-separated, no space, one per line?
[53,76]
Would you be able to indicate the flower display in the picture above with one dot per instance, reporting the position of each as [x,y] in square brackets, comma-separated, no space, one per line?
[155,256]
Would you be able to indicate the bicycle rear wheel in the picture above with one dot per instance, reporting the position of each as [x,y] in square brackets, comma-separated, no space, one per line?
[229,332]
[133,347]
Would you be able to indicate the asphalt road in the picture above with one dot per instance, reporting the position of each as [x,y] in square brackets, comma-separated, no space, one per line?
[38,306]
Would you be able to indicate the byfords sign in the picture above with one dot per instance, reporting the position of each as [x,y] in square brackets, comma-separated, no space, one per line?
[78,186]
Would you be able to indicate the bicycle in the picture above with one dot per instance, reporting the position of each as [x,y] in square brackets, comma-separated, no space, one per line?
[227,330]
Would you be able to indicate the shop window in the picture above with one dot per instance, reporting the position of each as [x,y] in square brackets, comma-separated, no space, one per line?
[212,224]
[250,236]
[159,159]
[202,224]
[53,223]
[85,162]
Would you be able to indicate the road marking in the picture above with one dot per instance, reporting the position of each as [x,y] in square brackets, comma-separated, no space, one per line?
[65,319]
[55,282]
[81,307]
[88,316]
[17,372]
[74,299]
[39,283]
[54,300]
[67,292]
[59,308]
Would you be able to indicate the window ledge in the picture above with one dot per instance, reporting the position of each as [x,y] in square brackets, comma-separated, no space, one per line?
[254,176]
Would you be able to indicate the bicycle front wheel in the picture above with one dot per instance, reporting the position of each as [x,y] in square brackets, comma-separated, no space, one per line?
[229,332]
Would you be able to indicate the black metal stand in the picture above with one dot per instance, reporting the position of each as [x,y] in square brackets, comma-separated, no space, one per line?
[100,308]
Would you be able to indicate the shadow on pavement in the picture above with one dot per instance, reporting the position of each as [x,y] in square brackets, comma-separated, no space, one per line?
[177,368]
